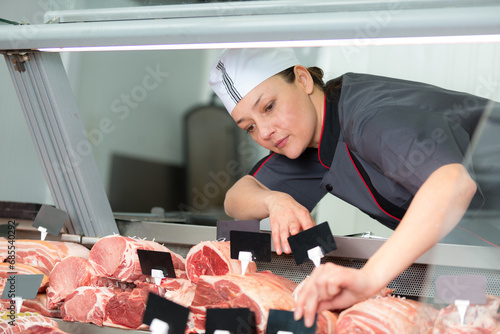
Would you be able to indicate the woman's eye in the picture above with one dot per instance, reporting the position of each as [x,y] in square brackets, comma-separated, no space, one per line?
[250,128]
[269,107]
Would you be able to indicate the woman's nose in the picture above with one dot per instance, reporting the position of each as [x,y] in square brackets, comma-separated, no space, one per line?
[266,132]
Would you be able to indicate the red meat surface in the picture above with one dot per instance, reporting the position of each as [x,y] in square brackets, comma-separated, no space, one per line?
[43,255]
[39,305]
[178,290]
[259,292]
[24,321]
[116,257]
[479,319]
[21,269]
[42,330]
[387,315]
[213,258]
[87,304]
[126,309]
[67,275]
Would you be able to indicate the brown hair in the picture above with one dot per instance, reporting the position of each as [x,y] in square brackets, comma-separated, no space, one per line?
[317,76]
[316,73]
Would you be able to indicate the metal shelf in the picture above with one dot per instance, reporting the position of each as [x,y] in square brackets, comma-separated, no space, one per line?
[255,21]
[347,247]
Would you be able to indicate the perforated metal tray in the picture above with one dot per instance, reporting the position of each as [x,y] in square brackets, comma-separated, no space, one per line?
[415,282]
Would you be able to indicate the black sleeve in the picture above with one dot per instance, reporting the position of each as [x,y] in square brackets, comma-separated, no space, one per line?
[407,130]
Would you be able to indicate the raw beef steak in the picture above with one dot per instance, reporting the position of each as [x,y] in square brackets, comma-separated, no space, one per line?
[126,309]
[87,304]
[21,269]
[116,257]
[213,258]
[67,275]
[43,255]
[258,291]
[178,290]
[387,315]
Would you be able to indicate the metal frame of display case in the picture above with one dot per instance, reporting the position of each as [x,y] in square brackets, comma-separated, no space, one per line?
[50,107]
[61,143]
[315,23]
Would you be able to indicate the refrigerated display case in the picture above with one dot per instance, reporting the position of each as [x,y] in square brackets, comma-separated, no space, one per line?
[33,56]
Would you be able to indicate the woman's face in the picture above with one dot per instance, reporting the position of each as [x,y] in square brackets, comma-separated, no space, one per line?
[281,116]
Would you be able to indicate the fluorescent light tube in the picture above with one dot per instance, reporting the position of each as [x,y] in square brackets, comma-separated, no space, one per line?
[466,39]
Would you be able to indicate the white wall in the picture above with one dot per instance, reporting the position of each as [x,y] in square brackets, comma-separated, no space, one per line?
[145,95]
[21,175]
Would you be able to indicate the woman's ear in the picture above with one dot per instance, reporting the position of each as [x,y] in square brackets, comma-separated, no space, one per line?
[304,78]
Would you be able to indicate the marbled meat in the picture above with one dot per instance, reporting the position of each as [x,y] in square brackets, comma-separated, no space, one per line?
[24,321]
[213,258]
[116,257]
[258,291]
[43,255]
[391,315]
[87,304]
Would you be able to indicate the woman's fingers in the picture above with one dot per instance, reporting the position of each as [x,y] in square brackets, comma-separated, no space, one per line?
[275,234]
[306,307]
[307,299]
[288,220]
[310,308]
[284,234]
[316,293]
[280,231]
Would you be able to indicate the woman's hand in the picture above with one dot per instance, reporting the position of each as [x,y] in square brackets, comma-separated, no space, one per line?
[287,217]
[250,199]
[331,287]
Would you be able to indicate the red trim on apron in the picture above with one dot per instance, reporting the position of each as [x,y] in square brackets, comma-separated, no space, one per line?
[322,128]
[368,187]
[263,164]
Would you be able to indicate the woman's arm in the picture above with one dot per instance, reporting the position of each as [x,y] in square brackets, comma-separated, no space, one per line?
[250,199]
[435,210]
[244,200]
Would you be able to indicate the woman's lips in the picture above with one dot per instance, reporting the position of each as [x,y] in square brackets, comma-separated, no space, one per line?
[281,143]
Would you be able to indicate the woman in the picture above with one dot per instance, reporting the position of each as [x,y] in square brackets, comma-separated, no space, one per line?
[392,148]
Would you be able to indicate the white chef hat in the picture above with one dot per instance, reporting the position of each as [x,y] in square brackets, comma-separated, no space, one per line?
[238,71]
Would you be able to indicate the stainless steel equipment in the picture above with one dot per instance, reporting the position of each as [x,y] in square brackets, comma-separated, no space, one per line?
[211,152]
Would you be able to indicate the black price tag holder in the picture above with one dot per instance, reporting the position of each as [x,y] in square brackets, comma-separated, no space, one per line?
[50,220]
[250,246]
[230,321]
[157,264]
[312,244]
[160,311]
[461,290]
[282,322]
[224,227]
[21,287]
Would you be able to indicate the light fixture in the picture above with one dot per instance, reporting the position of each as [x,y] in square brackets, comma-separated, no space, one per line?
[464,39]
